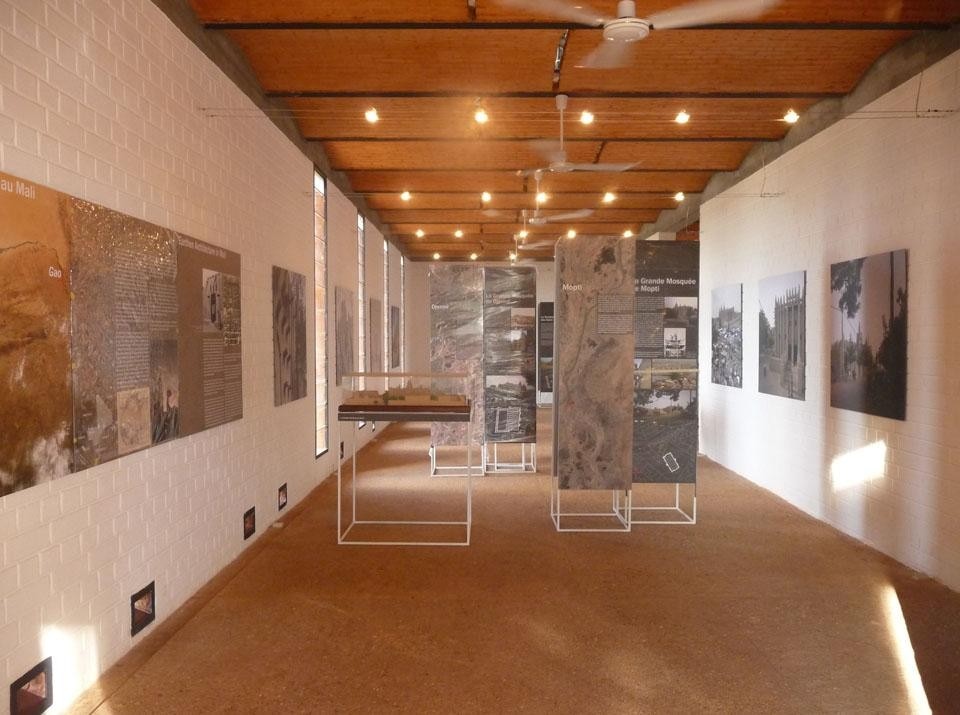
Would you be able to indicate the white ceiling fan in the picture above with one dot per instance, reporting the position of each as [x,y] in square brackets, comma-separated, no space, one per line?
[621,33]
[557,155]
[534,218]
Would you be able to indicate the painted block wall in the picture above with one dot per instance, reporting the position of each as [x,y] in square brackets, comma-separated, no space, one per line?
[866,185]
[104,100]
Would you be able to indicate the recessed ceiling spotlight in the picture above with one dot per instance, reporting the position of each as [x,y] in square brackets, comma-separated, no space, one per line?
[485,197]
[458,233]
[480,116]
[436,256]
[420,233]
[791,117]
[571,233]
[682,117]
[679,196]
[524,233]
[473,256]
[405,196]
[609,197]
[586,117]
[371,115]
[628,233]
[542,197]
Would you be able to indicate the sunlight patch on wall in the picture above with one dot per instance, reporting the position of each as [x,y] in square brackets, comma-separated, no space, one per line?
[75,662]
[859,466]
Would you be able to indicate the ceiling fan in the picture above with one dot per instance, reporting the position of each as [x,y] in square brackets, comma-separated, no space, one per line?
[621,33]
[557,155]
[535,219]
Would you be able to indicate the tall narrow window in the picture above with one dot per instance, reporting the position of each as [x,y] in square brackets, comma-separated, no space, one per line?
[386,306]
[361,297]
[403,312]
[320,316]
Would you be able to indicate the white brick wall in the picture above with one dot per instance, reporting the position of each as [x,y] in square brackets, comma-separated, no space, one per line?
[863,186]
[103,99]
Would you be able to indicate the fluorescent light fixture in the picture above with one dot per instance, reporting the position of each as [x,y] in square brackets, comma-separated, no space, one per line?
[371,115]
[586,117]
[682,117]
[791,117]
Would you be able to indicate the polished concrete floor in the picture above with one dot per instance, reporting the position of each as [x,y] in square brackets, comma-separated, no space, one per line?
[756,609]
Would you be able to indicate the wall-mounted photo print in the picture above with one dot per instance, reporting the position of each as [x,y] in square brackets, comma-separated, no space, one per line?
[289,336]
[249,522]
[783,335]
[32,692]
[344,320]
[282,497]
[868,345]
[143,608]
[726,329]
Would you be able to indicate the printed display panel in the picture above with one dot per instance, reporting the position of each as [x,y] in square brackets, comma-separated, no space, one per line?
[545,347]
[665,421]
[101,317]
[456,341]
[289,336]
[868,346]
[509,354]
[594,349]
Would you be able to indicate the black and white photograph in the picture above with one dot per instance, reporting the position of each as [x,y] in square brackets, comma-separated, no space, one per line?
[344,320]
[665,421]
[783,335]
[868,345]
[212,304]
[726,330]
[164,390]
[681,326]
[289,336]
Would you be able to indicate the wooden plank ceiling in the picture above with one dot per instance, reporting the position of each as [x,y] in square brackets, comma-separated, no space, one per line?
[427,65]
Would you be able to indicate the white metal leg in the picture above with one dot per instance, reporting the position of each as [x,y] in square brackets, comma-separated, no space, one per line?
[683,516]
[526,465]
[620,513]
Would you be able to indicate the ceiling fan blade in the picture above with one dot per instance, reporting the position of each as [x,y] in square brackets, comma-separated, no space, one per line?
[531,172]
[612,168]
[569,216]
[609,54]
[706,12]
[580,13]
[537,245]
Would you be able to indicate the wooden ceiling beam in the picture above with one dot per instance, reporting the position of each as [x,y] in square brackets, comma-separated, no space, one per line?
[520,26]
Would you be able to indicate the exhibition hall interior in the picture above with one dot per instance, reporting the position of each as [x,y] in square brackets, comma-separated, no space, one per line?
[479,356]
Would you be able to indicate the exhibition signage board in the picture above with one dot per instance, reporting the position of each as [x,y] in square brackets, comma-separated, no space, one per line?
[456,341]
[509,354]
[665,418]
[545,348]
[593,362]
[868,345]
[115,334]
[289,336]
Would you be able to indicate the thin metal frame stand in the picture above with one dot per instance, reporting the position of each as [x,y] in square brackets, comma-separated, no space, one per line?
[621,513]
[343,533]
[524,466]
[683,516]
[454,470]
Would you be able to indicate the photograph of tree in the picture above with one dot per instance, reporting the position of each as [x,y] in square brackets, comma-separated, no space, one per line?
[868,350]
[726,325]
[783,335]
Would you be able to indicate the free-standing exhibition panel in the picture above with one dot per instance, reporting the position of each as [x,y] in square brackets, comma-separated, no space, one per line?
[119,334]
[509,354]
[665,422]
[456,341]
[593,361]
